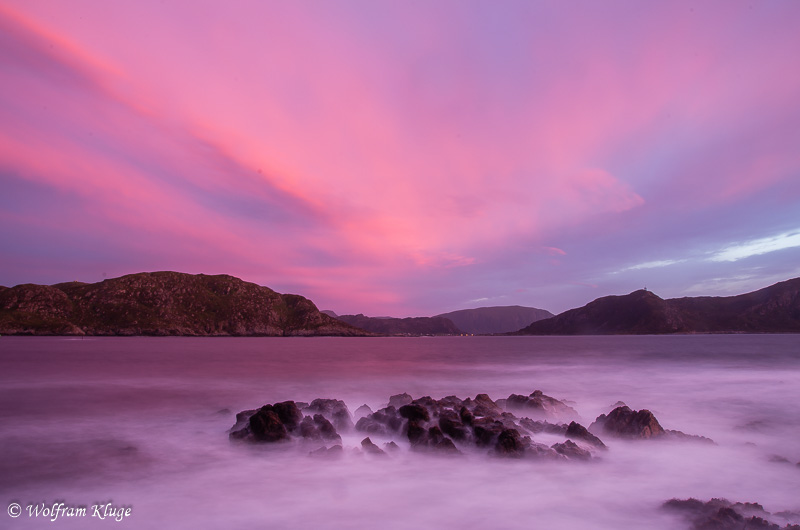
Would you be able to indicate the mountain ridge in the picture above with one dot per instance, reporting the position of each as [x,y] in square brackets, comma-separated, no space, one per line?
[163,303]
[495,319]
[773,309]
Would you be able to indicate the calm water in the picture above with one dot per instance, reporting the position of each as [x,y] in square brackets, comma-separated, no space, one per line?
[142,423]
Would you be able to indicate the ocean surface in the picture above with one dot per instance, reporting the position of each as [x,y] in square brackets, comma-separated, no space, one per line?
[138,427]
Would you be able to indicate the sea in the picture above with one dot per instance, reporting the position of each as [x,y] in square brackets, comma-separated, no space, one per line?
[134,431]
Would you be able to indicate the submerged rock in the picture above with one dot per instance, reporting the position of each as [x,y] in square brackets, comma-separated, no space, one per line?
[576,431]
[639,424]
[539,404]
[334,410]
[721,514]
[448,426]
[371,448]
[627,423]
[282,422]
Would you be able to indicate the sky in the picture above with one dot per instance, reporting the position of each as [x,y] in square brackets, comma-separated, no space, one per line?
[404,158]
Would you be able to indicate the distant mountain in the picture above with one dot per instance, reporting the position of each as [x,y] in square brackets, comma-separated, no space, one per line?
[774,309]
[500,319]
[162,303]
[402,326]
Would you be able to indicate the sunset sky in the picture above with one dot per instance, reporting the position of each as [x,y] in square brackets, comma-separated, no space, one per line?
[404,158]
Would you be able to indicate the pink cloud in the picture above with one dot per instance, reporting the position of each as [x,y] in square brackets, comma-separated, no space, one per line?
[336,148]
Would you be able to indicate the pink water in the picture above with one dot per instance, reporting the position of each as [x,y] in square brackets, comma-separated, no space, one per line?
[142,423]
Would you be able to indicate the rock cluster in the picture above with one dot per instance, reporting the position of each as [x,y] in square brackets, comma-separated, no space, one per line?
[641,424]
[721,514]
[449,426]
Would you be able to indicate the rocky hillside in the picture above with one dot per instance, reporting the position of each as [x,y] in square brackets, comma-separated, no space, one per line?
[162,303]
[774,309]
[402,326]
[500,319]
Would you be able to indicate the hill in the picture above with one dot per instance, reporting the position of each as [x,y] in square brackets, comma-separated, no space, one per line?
[774,309]
[402,326]
[162,303]
[499,319]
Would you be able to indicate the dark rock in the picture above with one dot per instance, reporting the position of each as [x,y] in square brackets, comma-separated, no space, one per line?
[288,413]
[335,410]
[484,406]
[539,404]
[467,418]
[428,403]
[450,424]
[510,444]
[576,431]
[572,451]
[446,446]
[534,427]
[486,431]
[627,423]
[326,429]
[451,402]
[417,434]
[308,430]
[266,426]
[721,514]
[371,426]
[398,400]
[382,422]
[371,448]
[414,412]
[391,446]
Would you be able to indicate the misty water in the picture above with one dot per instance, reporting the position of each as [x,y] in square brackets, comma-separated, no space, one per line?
[142,423]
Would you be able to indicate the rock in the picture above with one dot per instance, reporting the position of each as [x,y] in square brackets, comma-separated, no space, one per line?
[371,448]
[278,422]
[576,431]
[266,426]
[572,451]
[721,514]
[362,411]
[371,426]
[382,422]
[391,446]
[678,435]
[398,400]
[540,405]
[334,410]
[288,413]
[486,431]
[484,406]
[326,429]
[414,412]
[510,444]
[451,402]
[416,433]
[328,453]
[450,423]
[308,430]
[467,418]
[627,423]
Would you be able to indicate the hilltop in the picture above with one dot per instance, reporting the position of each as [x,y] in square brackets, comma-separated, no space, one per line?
[774,309]
[163,303]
